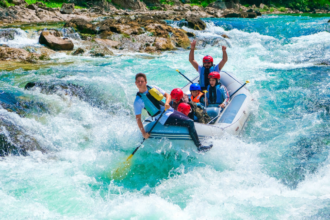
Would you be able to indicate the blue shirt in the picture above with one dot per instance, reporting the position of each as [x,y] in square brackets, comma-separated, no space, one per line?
[139,105]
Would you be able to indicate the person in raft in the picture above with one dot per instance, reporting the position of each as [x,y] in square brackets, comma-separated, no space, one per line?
[196,112]
[196,94]
[217,93]
[208,65]
[149,98]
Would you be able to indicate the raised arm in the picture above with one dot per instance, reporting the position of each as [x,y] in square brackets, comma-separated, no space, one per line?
[224,58]
[192,55]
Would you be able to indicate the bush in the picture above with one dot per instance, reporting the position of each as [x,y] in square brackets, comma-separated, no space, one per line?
[282,9]
[272,9]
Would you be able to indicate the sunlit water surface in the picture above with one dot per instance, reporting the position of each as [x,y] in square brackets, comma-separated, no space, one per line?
[278,168]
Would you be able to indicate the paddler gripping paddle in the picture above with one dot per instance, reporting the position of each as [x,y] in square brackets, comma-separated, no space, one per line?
[121,172]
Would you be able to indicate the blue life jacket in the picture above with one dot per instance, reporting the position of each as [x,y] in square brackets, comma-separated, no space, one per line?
[202,75]
[219,94]
[152,105]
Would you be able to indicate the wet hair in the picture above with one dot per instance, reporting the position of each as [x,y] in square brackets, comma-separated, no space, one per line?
[141,75]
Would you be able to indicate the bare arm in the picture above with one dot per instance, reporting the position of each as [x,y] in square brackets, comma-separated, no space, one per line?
[192,55]
[168,100]
[139,122]
[224,58]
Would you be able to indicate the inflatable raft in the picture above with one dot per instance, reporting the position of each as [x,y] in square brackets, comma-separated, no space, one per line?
[230,120]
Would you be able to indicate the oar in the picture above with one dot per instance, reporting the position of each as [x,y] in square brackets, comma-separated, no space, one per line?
[184,76]
[121,171]
[239,88]
[206,101]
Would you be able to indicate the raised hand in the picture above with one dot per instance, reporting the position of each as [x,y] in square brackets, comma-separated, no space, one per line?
[193,44]
[224,48]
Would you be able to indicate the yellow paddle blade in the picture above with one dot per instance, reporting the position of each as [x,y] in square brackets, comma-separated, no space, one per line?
[178,71]
[205,91]
[121,172]
[247,81]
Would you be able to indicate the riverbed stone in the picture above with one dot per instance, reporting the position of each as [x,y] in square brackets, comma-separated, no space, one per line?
[162,43]
[78,51]
[55,43]
[67,8]
[196,23]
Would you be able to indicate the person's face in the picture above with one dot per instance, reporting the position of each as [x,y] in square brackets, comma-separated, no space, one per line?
[213,82]
[194,93]
[207,65]
[141,83]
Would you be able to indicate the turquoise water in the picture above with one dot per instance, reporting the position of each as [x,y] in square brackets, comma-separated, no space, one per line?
[278,168]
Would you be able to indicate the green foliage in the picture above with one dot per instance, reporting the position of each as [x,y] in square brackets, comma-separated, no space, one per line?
[5,4]
[203,3]
[282,9]
[302,5]
[155,8]
[272,9]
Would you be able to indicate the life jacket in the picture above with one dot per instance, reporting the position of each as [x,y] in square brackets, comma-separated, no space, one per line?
[151,102]
[219,97]
[202,75]
[197,98]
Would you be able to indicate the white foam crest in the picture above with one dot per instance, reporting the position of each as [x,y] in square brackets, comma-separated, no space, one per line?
[20,40]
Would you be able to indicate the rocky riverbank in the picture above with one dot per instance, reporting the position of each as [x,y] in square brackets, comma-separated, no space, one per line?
[101,30]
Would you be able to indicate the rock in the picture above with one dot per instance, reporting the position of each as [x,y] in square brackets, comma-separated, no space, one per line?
[107,43]
[195,23]
[131,4]
[78,51]
[17,2]
[329,21]
[150,49]
[159,30]
[33,7]
[67,8]
[251,15]
[163,44]
[225,36]
[218,4]
[15,141]
[181,38]
[233,15]
[263,6]
[7,53]
[258,13]
[82,25]
[55,43]
[100,51]
[8,34]
[190,34]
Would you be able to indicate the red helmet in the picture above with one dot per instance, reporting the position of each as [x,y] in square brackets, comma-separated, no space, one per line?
[214,75]
[208,59]
[177,94]
[184,108]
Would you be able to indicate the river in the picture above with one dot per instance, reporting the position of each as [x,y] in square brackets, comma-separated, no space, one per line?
[82,116]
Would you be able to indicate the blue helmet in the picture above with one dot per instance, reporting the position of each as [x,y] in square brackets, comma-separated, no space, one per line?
[195,87]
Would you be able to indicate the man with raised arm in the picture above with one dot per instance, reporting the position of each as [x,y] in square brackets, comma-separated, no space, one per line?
[208,66]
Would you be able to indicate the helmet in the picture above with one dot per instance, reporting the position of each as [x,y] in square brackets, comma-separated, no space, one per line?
[177,94]
[208,59]
[184,108]
[195,87]
[214,75]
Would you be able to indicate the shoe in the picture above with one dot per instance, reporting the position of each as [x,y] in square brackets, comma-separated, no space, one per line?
[204,148]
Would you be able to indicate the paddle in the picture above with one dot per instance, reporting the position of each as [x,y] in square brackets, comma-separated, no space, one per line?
[121,172]
[184,76]
[239,88]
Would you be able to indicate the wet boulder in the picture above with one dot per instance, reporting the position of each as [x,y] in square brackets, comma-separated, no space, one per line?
[162,43]
[101,52]
[131,4]
[78,51]
[329,21]
[82,25]
[181,38]
[15,141]
[159,30]
[33,7]
[67,8]
[8,34]
[107,43]
[196,23]
[55,43]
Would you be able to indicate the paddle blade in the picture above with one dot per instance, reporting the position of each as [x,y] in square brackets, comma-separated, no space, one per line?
[247,81]
[178,71]
[121,172]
